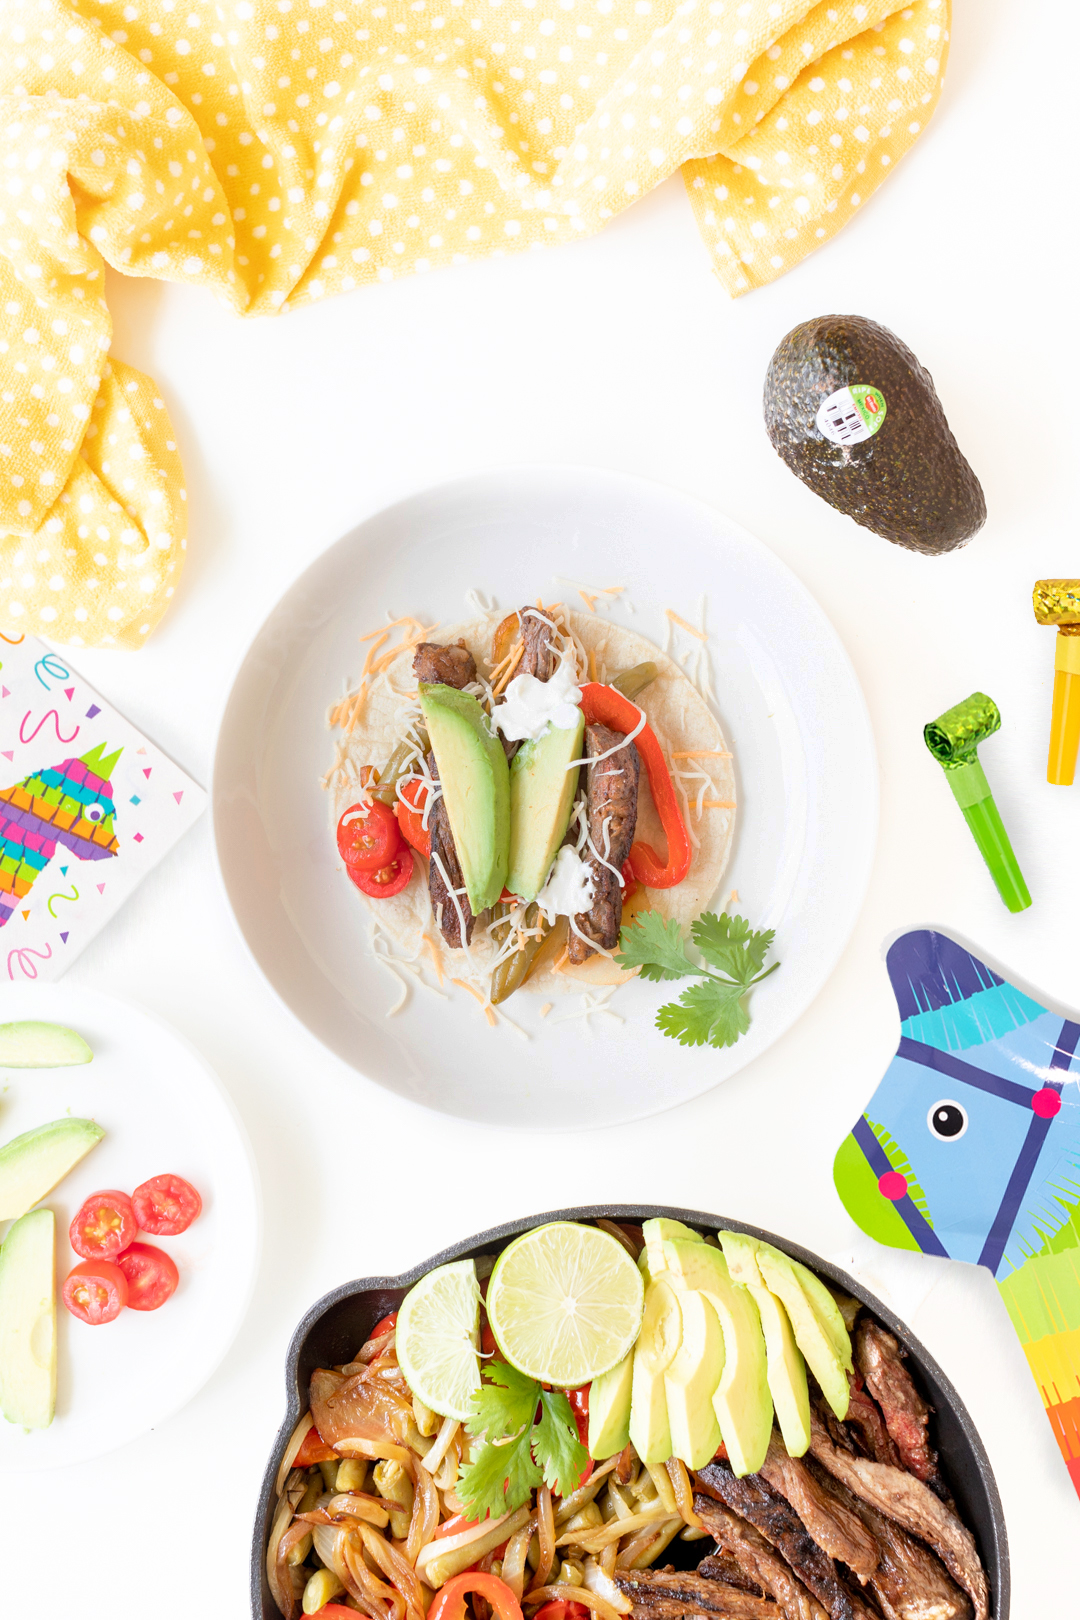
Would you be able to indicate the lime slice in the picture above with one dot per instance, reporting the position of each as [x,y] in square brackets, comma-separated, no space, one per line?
[438,1330]
[564,1303]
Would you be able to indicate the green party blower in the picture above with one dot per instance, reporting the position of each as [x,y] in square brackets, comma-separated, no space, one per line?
[952,739]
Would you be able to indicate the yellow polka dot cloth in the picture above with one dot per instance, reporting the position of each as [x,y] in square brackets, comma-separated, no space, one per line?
[277,151]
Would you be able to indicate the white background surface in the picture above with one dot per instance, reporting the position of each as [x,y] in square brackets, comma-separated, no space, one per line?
[621,351]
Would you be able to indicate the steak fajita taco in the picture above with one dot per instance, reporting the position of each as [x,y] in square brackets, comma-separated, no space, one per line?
[509,792]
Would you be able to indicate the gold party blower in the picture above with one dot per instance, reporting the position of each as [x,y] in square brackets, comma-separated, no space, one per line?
[1057,601]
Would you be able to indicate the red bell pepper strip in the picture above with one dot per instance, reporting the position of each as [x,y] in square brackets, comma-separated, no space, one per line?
[579,1406]
[409,810]
[449,1602]
[608,707]
[313,1449]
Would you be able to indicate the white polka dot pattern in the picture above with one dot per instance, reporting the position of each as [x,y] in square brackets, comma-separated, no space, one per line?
[278,151]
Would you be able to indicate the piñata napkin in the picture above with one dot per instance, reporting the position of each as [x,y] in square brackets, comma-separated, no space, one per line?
[277,151]
[87,807]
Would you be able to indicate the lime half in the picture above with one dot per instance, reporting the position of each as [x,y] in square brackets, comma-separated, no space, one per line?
[564,1303]
[438,1330]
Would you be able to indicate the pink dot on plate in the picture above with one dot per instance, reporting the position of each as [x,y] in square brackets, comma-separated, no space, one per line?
[892,1185]
[1046,1103]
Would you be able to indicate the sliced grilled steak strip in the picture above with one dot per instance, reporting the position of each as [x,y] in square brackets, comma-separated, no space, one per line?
[443,850]
[881,1361]
[913,1505]
[724,1567]
[836,1528]
[909,1582]
[445,666]
[668,1594]
[864,1418]
[757,1559]
[611,793]
[756,1501]
[539,656]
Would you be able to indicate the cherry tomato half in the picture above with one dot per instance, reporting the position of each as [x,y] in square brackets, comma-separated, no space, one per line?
[449,1603]
[410,814]
[333,1611]
[367,836]
[104,1226]
[95,1292]
[151,1276]
[165,1206]
[389,880]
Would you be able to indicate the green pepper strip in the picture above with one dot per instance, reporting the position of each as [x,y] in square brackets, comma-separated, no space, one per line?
[605,705]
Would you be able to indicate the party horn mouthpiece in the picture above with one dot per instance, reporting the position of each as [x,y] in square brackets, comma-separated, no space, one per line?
[953,739]
[1057,601]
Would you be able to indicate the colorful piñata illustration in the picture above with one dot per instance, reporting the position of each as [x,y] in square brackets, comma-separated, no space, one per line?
[970,1149]
[69,806]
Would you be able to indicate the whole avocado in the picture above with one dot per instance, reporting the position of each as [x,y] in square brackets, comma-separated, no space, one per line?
[893,466]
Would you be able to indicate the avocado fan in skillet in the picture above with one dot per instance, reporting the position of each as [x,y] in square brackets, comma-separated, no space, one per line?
[851,411]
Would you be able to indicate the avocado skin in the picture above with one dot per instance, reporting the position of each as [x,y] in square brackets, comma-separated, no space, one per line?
[909,481]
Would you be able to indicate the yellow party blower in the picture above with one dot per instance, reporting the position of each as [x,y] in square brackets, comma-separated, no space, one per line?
[1057,601]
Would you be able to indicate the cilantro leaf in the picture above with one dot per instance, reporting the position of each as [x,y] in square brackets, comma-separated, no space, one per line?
[730,945]
[709,1013]
[498,1479]
[504,1404]
[655,946]
[556,1446]
[520,1450]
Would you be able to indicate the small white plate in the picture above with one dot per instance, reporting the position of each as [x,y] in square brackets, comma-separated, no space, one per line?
[788,700]
[163,1110]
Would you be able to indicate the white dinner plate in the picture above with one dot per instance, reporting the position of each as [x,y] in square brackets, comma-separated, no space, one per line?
[787,698]
[163,1110]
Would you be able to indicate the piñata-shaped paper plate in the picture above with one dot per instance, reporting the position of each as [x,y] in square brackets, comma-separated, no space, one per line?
[970,1149]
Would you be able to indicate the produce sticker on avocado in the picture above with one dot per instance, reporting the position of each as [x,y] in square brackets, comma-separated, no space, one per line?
[851,415]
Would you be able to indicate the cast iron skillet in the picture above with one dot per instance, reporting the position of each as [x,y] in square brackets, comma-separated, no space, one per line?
[338,1324]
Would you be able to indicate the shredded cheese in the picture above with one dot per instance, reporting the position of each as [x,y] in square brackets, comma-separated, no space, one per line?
[717,804]
[546,1008]
[691,629]
[701,753]
[489,1012]
[513,660]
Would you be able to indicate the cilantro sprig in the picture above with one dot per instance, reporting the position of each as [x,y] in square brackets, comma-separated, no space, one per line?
[711,1012]
[528,1438]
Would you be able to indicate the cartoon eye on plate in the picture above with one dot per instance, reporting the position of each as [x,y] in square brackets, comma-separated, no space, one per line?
[94,812]
[947,1120]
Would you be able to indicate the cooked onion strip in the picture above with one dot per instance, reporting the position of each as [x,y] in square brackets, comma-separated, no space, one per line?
[593,1539]
[648,1544]
[545,1526]
[443,1441]
[425,1513]
[680,1485]
[296,1440]
[517,1549]
[398,1570]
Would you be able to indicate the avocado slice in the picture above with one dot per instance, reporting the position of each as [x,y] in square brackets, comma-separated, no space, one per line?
[32,1164]
[609,1409]
[28,1321]
[656,1233]
[29,1044]
[742,1401]
[691,1382]
[853,414]
[786,1372]
[658,1340]
[822,1356]
[475,786]
[542,793]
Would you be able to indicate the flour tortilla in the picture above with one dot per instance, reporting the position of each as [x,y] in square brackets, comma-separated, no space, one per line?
[681,719]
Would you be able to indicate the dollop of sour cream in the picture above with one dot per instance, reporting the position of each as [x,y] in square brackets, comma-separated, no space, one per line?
[569,888]
[530,706]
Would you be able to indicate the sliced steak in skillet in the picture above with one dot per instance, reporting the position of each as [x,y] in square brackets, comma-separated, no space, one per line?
[756,1559]
[836,1528]
[881,1362]
[659,1594]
